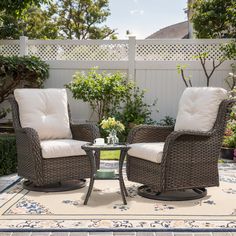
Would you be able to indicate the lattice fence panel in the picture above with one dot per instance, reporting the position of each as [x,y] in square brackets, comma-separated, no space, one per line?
[175,52]
[91,52]
[10,50]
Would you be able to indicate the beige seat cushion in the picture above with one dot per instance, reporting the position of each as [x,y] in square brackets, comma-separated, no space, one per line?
[46,111]
[61,148]
[147,151]
[198,108]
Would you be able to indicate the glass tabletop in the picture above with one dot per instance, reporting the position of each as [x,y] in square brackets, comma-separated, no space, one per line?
[118,146]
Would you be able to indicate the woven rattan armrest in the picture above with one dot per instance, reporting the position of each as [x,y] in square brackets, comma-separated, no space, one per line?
[28,141]
[28,133]
[149,133]
[85,132]
[192,140]
[187,134]
[176,136]
[28,147]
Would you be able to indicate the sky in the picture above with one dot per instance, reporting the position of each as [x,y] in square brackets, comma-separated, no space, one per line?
[144,17]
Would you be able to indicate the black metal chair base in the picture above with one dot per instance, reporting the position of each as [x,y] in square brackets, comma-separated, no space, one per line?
[56,187]
[178,195]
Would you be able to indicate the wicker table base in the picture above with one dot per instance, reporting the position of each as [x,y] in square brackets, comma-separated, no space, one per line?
[180,195]
[57,187]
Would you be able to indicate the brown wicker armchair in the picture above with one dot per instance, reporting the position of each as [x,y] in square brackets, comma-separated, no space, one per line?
[188,161]
[58,173]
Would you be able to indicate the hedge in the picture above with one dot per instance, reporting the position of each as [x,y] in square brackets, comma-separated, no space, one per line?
[8,161]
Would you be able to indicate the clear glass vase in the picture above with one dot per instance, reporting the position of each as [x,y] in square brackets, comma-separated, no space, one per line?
[112,138]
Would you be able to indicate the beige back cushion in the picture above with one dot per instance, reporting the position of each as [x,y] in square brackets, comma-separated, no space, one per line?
[198,108]
[45,110]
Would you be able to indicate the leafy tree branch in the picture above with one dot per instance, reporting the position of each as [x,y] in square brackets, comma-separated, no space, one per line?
[214,18]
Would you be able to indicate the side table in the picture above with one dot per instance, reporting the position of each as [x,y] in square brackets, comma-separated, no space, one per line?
[91,151]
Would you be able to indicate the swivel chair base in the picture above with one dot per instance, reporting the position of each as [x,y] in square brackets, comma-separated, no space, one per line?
[55,187]
[178,195]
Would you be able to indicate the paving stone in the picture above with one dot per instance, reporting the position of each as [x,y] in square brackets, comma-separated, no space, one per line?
[183,234]
[145,234]
[40,234]
[21,234]
[124,234]
[100,233]
[9,177]
[202,234]
[164,234]
[78,234]
[221,234]
[58,234]
[5,233]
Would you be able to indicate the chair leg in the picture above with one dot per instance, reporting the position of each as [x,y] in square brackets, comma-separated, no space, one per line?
[55,187]
[178,195]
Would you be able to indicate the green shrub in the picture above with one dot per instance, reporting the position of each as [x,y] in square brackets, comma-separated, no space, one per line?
[103,91]
[167,121]
[8,162]
[15,72]
[111,95]
[134,111]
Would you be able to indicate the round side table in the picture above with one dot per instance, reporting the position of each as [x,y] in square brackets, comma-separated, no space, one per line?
[91,151]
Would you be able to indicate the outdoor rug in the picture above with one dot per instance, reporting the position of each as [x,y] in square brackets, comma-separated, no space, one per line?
[23,210]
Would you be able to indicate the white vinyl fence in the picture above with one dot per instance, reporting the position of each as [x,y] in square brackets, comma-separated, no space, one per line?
[150,63]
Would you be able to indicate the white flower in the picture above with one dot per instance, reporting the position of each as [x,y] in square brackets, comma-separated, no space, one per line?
[232,75]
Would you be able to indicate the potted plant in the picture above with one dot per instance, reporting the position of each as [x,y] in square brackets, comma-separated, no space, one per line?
[229,140]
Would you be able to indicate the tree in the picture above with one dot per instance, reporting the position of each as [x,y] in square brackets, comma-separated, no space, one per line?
[214,18]
[70,19]
[20,72]
[228,53]
[79,19]
[16,7]
[35,23]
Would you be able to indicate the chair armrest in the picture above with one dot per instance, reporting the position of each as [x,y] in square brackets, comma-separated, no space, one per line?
[187,134]
[28,135]
[149,133]
[85,132]
[180,145]
[29,153]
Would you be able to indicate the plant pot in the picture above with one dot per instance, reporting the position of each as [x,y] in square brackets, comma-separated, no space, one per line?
[227,153]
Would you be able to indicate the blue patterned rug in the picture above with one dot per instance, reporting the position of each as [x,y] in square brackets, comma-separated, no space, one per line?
[23,210]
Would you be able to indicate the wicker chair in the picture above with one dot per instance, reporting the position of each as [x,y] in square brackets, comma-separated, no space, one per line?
[58,173]
[188,162]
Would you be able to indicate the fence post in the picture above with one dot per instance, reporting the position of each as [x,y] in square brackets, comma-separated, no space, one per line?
[131,58]
[23,45]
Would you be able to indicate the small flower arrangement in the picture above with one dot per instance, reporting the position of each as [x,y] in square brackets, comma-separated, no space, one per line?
[111,123]
[228,150]
[229,139]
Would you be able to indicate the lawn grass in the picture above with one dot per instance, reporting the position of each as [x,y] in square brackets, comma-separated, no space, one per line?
[110,155]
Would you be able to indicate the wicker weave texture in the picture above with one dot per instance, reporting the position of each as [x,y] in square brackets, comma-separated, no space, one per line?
[31,164]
